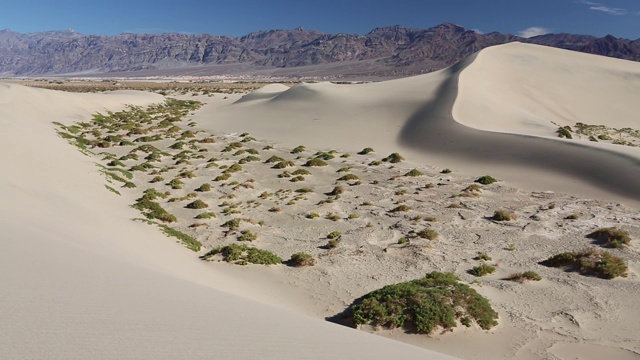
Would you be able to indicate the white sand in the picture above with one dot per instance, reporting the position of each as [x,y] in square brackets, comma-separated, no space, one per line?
[81,280]
[416,114]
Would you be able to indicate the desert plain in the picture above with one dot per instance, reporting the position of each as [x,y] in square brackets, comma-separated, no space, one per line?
[379,183]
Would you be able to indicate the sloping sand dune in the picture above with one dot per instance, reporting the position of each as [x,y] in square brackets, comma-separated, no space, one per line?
[80,280]
[500,124]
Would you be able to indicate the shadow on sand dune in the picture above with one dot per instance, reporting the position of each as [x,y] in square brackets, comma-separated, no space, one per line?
[433,129]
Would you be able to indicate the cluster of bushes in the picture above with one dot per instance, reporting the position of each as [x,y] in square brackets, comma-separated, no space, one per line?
[243,254]
[590,262]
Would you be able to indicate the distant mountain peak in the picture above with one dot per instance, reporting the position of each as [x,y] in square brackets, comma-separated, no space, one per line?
[388,51]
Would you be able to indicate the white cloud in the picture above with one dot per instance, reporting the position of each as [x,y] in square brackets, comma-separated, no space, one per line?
[603,8]
[609,10]
[533,31]
[477,31]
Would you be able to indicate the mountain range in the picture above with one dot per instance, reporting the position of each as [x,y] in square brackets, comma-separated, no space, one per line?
[384,52]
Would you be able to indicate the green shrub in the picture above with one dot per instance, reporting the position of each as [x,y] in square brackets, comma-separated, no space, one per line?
[337,191]
[283,165]
[611,237]
[436,301]
[246,235]
[204,187]
[233,169]
[375,163]
[186,240]
[524,276]
[206,215]
[301,172]
[572,217]
[414,172]
[446,171]
[393,158]
[403,240]
[304,190]
[297,178]
[334,235]
[483,257]
[315,162]
[156,179]
[243,254]
[590,262]
[482,270]
[332,244]
[401,208]
[366,151]
[298,149]
[348,177]
[428,234]
[503,215]
[564,132]
[232,224]
[301,259]
[197,204]
[274,159]
[312,215]
[486,180]
[175,184]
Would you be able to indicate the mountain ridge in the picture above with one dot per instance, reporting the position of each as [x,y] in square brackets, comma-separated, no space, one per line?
[388,51]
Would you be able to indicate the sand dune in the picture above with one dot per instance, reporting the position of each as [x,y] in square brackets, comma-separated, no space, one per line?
[81,280]
[418,114]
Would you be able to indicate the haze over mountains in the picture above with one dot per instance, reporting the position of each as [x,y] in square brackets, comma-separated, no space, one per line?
[384,52]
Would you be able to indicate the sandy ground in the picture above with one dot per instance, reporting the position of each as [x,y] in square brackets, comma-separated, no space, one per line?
[134,287]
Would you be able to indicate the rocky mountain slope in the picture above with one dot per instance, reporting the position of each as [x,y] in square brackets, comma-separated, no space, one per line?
[386,51]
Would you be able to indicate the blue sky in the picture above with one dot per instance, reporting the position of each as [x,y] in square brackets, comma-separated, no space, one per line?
[620,18]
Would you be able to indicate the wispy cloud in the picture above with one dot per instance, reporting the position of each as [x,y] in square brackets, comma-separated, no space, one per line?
[478,31]
[603,8]
[533,31]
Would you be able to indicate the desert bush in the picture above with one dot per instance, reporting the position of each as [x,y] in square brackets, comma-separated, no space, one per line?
[375,163]
[222,177]
[298,149]
[572,217]
[232,169]
[564,132]
[188,241]
[115,163]
[243,254]
[438,300]
[283,165]
[393,158]
[206,215]
[428,234]
[197,204]
[332,244]
[589,262]
[446,171]
[401,208]
[304,190]
[482,270]
[156,179]
[315,162]
[486,180]
[503,215]
[337,191]
[301,172]
[246,235]
[248,159]
[430,219]
[297,178]
[232,224]
[204,187]
[334,235]
[483,257]
[312,215]
[414,172]
[611,237]
[176,184]
[524,276]
[403,240]
[301,259]
[348,177]
[332,217]
[275,209]
[129,185]
[366,151]
[353,216]
[274,159]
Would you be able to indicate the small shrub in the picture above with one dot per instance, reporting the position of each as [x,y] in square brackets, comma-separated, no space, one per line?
[437,300]
[275,209]
[274,159]
[156,179]
[332,217]
[301,259]
[304,190]
[242,254]
[375,163]
[414,172]
[204,187]
[482,270]
[297,178]
[401,208]
[233,169]
[232,224]
[246,235]
[176,184]
[486,180]
[283,164]
[349,177]
[316,162]
[483,257]
[334,235]
[403,240]
[524,276]
[197,204]
[338,190]
[206,215]
[298,149]
[564,132]
[589,262]
[353,216]
[332,244]
[222,177]
[503,215]
[301,172]
[446,171]
[393,158]
[428,234]
[366,151]
[611,237]
[572,217]
[511,247]
[312,215]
